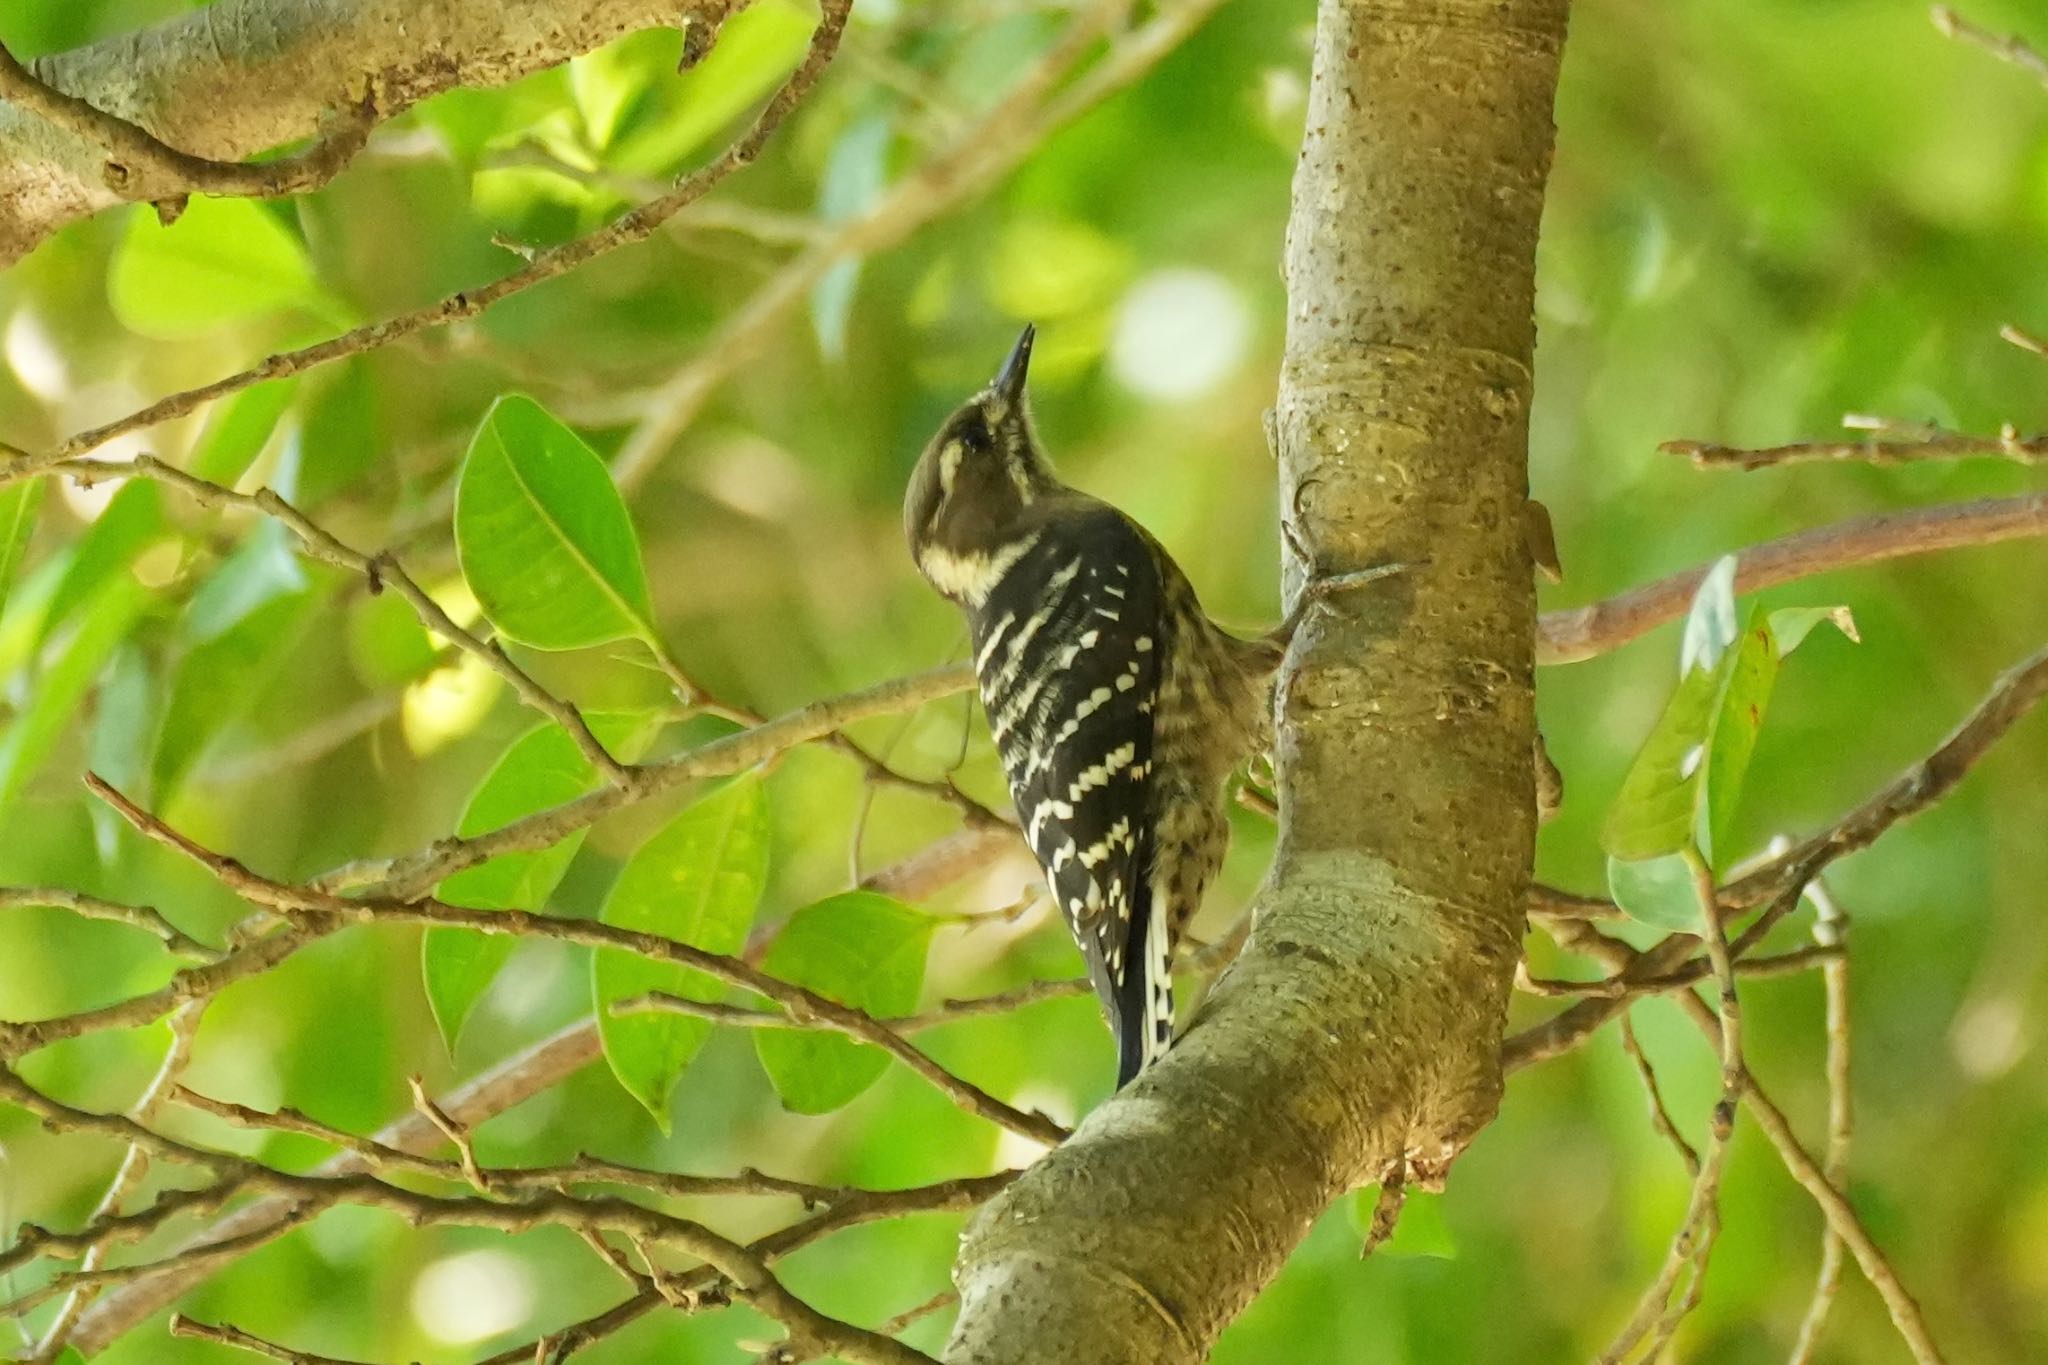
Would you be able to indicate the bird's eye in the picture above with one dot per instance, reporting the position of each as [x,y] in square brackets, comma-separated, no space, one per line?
[974,436]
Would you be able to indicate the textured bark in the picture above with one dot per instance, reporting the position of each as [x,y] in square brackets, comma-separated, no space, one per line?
[1360,1030]
[241,76]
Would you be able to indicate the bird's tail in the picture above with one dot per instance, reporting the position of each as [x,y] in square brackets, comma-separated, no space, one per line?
[1145,1004]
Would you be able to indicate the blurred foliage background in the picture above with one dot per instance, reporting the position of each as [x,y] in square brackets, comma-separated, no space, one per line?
[1764,214]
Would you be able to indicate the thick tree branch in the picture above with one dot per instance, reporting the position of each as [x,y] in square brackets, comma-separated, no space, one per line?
[1358,1034]
[223,83]
[633,226]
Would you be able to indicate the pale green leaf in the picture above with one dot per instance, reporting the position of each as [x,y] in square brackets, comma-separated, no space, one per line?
[543,536]
[541,769]
[238,429]
[61,685]
[131,521]
[18,507]
[698,881]
[756,49]
[223,261]
[1656,891]
[863,950]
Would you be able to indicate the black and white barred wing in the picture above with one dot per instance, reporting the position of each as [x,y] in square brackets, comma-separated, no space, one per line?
[1067,649]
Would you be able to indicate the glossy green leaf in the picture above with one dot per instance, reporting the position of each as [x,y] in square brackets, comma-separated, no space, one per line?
[698,881]
[387,645]
[756,49]
[1656,891]
[19,504]
[541,769]
[262,569]
[861,949]
[544,538]
[61,685]
[238,429]
[223,261]
[130,523]
[216,680]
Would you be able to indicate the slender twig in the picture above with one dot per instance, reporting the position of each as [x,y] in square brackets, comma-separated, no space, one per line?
[129,1175]
[221,1334]
[1660,1117]
[792,999]
[2006,48]
[414,873]
[132,148]
[1830,930]
[1835,1207]
[1694,1241]
[143,917]
[947,1012]
[633,226]
[511,1082]
[1578,633]
[2008,444]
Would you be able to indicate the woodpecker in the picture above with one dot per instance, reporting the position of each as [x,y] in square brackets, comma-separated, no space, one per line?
[1118,709]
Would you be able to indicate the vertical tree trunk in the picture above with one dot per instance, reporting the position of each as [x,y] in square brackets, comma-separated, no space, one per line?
[1360,1030]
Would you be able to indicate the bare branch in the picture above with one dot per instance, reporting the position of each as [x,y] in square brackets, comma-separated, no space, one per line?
[794,1000]
[2008,444]
[2005,48]
[1583,632]
[1830,929]
[143,917]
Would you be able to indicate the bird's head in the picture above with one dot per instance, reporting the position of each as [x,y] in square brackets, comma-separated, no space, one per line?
[984,468]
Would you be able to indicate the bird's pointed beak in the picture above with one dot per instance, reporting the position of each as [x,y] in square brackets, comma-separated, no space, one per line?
[1009,381]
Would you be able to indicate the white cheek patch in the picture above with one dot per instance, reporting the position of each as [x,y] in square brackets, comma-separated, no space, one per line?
[949,467]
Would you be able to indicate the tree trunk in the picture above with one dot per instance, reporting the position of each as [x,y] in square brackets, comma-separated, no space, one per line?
[1359,1033]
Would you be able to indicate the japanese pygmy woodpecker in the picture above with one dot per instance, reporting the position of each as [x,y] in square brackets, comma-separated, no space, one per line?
[1118,708]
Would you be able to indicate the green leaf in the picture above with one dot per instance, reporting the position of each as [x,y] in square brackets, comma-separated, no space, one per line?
[1791,625]
[541,769]
[262,569]
[28,739]
[18,507]
[223,261]
[698,881]
[1656,891]
[861,949]
[756,49]
[239,429]
[387,645]
[543,536]
[131,521]
[216,680]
